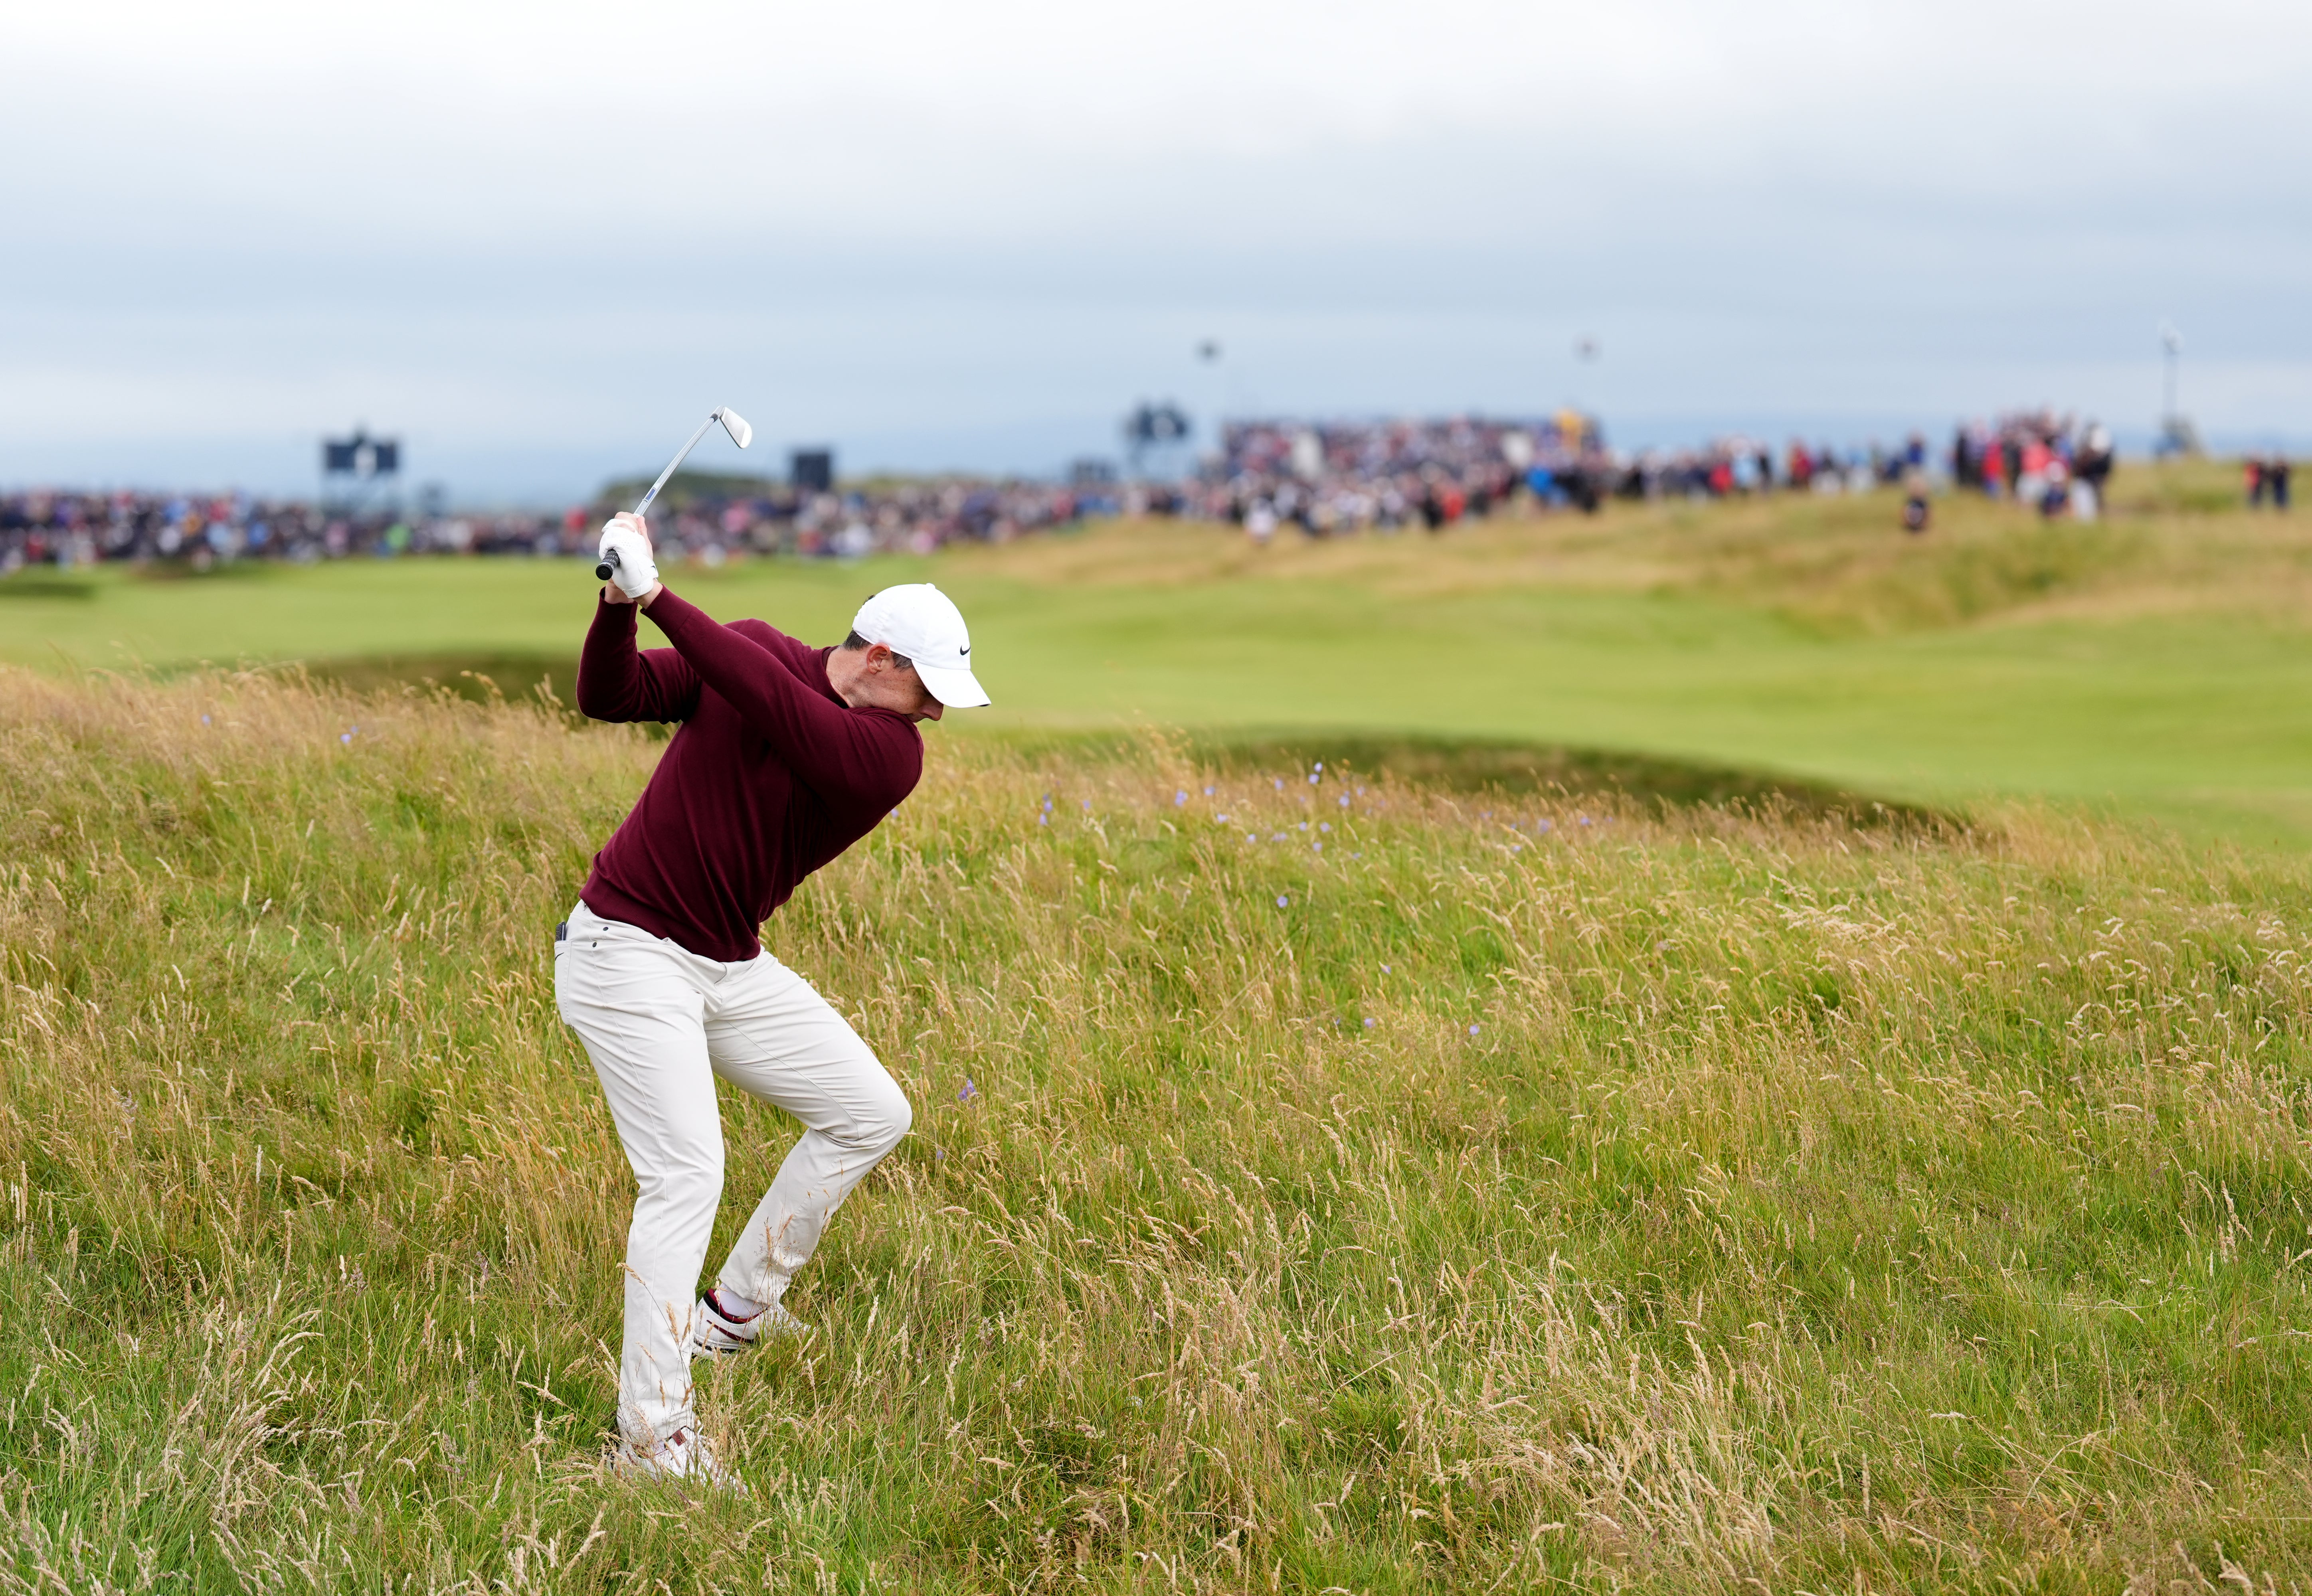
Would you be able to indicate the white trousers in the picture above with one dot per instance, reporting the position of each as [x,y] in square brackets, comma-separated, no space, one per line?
[659,1023]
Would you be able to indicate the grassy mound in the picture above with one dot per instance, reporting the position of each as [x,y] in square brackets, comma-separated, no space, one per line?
[1484,1191]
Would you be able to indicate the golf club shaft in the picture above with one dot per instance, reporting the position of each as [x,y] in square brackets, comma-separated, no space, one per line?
[677,460]
[609,562]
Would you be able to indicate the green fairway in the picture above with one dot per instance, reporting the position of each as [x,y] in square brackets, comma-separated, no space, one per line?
[2157,663]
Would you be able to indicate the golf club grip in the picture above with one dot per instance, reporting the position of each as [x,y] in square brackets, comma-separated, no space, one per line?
[607,563]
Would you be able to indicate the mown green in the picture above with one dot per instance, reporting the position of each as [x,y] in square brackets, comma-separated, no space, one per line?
[1652,1199]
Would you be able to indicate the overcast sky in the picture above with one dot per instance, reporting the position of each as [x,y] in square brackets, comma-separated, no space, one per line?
[537,241]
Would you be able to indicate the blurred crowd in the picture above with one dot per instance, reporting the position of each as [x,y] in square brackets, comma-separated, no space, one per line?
[200,530]
[1334,477]
[67,528]
[1741,464]
[1326,478]
[1321,479]
[2049,462]
[911,516]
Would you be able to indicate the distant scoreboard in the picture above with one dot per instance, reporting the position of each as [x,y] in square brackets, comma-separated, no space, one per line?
[811,470]
[361,455]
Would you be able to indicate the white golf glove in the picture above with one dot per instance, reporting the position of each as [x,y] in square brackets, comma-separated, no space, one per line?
[636,572]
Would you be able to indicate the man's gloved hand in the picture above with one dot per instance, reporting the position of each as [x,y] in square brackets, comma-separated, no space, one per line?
[635,573]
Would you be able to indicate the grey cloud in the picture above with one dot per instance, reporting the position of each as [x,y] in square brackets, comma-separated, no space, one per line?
[899,230]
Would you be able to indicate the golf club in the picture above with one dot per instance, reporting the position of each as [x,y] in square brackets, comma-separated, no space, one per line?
[740,433]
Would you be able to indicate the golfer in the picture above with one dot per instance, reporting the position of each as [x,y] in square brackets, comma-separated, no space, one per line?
[787,755]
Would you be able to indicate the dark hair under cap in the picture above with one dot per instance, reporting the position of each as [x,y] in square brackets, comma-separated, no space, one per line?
[856,642]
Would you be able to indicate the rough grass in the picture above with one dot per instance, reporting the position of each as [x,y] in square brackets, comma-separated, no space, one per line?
[1690,1201]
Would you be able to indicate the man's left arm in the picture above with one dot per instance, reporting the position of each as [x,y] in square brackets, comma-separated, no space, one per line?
[618,682]
[838,753]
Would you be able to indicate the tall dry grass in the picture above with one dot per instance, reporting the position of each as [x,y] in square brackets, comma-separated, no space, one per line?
[1706,1201]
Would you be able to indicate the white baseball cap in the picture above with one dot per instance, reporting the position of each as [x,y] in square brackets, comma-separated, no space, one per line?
[917,620]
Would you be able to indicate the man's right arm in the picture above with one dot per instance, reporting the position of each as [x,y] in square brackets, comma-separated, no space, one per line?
[619,682]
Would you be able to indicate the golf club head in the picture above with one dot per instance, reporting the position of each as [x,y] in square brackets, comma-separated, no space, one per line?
[736,425]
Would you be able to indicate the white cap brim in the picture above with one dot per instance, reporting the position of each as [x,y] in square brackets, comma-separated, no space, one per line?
[955,689]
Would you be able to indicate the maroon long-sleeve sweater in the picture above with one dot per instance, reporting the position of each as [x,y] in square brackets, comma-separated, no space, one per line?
[771,776]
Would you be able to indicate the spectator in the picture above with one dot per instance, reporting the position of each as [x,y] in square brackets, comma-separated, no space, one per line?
[1915,507]
[2092,469]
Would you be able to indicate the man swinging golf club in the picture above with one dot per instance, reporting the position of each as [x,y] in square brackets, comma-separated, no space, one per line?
[787,755]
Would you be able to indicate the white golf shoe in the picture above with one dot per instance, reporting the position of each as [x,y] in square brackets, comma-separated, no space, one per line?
[715,1333]
[684,1455]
